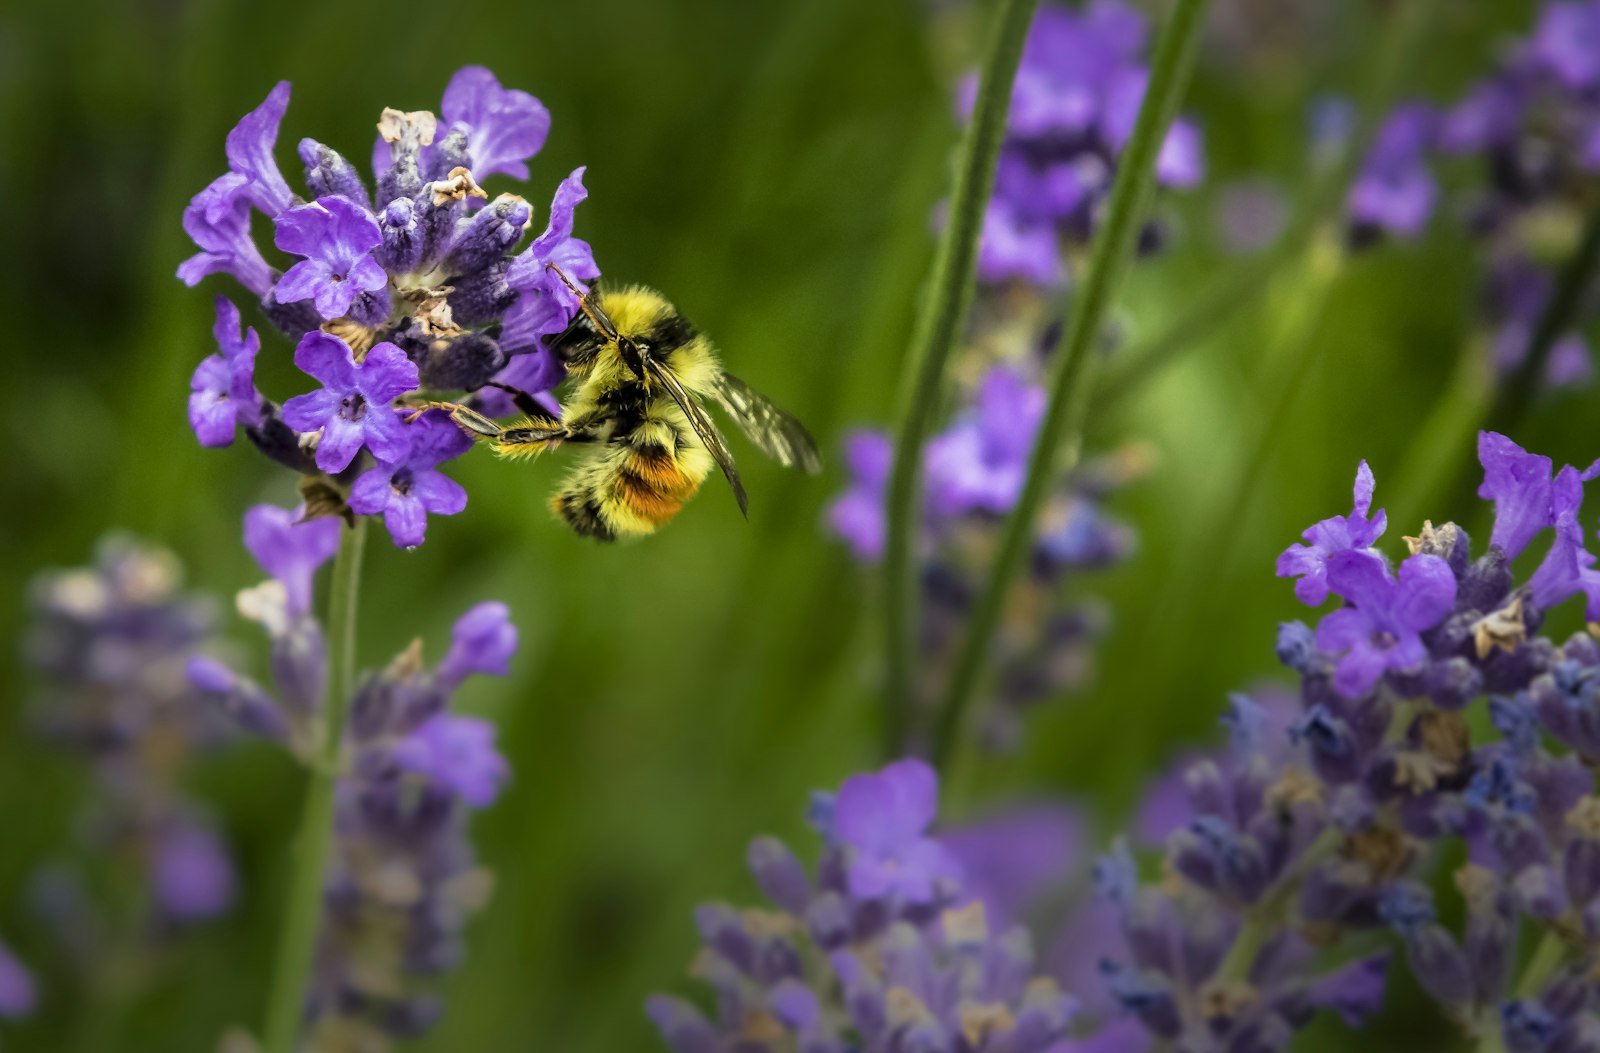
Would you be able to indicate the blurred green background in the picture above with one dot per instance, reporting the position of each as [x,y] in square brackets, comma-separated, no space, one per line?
[772,168]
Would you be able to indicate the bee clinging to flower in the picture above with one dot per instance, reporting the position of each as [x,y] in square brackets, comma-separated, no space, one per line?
[642,370]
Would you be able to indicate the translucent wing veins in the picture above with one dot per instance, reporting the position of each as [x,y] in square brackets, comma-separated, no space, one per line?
[776,433]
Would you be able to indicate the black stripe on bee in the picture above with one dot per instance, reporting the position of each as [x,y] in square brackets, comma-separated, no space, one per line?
[581,511]
[668,334]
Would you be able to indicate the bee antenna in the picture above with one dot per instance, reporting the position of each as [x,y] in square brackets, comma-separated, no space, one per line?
[585,302]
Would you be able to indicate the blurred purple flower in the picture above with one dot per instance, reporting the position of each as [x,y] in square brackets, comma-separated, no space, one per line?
[290,549]
[1010,858]
[857,516]
[884,819]
[459,754]
[1567,42]
[193,874]
[18,995]
[1395,191]
[482,641]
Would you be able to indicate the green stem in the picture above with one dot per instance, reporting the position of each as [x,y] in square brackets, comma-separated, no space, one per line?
[1515,398]
[1547,956]
[1267,917]
[1063,422]
[297,942]
[955,264]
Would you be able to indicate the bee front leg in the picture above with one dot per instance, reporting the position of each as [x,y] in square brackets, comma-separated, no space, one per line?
[468,420]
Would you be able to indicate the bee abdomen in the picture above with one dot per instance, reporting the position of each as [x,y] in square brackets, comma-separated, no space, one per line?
[580,509]
[650,487]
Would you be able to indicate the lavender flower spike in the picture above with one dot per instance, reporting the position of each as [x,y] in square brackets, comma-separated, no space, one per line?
[407,488]
[290,549]
[1309,562]
[337,237]
[352,408]
[222,392]
[1380,631]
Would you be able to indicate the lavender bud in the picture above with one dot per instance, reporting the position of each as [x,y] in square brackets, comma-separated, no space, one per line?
[779,874]
[329,173]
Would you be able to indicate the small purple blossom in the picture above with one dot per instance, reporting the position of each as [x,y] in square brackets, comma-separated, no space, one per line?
[1567,42]
[857,516]
[1395,191]
[222,392]
[884,819]
[406,488]
[505,127]
[18,994]
[1309,562]
[980,463]
[1380,630]
[218,221]
[337,237]
[192,873]
[459,754]
[1527,497]
[250,147]
[290,549]
[544,305]
[353,407]
[483,641]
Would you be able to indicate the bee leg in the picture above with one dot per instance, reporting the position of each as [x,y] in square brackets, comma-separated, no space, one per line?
[468,420]
[524,402]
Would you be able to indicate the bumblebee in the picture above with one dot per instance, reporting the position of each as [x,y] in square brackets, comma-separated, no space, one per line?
[642,370]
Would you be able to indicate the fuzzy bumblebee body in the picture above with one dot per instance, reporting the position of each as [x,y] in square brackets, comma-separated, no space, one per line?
[645,443]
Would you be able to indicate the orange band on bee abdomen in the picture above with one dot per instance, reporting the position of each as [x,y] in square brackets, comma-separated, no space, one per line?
[655,469]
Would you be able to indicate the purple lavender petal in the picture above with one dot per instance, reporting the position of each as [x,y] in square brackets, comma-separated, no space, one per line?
[459,754]
[18,994]
[505,126]
[193,876]
[250,145]
[482,641]
[291,550]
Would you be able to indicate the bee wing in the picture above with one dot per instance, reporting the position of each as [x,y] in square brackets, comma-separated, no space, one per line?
[775,432]
[702,427]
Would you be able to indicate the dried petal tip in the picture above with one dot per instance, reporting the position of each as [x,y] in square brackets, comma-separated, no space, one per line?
[458,185]
[1503,629]
[413,128]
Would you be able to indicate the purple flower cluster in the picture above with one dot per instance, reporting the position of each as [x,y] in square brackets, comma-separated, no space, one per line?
[403,878]
[109,643]
[881,949]
[1073,105]
[973,473]
[1532,129]
[412,286]
[1303,837]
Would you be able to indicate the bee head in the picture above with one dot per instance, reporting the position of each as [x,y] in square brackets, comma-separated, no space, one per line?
[578,345]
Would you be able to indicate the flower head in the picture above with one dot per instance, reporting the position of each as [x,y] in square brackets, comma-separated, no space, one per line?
[405,489]
[1309,562]
[222,392]
[1381,628]
[336,236]
[482,641]
[353,407]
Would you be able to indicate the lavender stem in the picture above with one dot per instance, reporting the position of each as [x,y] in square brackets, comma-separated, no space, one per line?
[954,269]
[298,941]
[1063,423]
